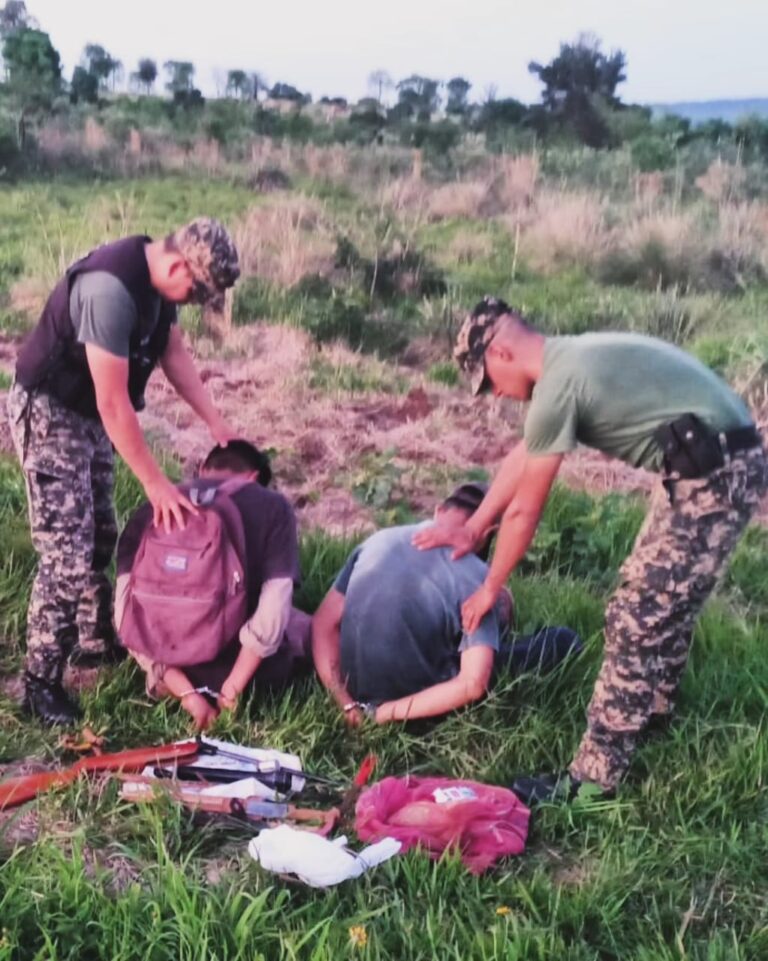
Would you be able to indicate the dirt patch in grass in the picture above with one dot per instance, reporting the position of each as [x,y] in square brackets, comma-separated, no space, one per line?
[324,439]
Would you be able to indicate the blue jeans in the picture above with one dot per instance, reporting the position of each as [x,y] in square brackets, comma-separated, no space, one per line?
[537,653]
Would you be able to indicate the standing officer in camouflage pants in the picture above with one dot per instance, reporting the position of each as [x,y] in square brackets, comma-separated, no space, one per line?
[80,378]
[653,406]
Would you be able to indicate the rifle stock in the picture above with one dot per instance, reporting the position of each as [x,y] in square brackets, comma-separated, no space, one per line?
[17,790]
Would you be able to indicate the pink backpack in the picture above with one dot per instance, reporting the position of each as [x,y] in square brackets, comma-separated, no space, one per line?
[480,821]
[187,595]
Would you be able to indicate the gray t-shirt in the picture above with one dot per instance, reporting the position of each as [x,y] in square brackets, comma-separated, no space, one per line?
[104,313]
[401,629]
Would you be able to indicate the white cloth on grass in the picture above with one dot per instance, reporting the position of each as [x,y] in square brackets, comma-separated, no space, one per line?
[316,860]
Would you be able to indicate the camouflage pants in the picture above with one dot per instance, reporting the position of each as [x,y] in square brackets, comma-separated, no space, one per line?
[69,474]
[677,558]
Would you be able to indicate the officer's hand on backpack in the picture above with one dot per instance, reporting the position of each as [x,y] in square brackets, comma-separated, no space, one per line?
[168,503]
[200,710]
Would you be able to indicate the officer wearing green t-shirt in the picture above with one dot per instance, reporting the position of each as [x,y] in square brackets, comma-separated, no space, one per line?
[651,405]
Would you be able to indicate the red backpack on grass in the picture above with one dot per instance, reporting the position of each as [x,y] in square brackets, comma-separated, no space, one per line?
[187,594]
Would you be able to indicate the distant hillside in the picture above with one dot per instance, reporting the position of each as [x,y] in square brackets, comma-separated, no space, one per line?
[728,110]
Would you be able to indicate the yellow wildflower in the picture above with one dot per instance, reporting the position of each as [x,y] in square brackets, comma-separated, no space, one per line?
[503,910]
[358,936]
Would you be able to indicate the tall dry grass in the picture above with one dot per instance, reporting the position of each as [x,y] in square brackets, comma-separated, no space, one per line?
[285,241]
[562,228]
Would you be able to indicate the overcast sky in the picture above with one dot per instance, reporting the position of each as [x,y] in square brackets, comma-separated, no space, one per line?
[676,49]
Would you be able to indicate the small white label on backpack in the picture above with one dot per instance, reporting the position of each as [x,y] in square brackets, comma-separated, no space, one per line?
[444,795]
[176,562]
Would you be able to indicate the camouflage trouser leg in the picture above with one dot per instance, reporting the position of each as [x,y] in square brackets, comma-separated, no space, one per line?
[57,449]
[94,616]
[674,566]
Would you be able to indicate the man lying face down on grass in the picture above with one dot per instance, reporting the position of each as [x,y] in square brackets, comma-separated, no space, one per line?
[387,639]
[274,640]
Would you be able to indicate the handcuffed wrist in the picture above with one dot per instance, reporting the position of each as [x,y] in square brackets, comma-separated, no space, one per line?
[369,710]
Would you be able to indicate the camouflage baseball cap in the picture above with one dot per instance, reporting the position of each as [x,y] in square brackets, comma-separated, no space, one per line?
[476,333]
[211,257]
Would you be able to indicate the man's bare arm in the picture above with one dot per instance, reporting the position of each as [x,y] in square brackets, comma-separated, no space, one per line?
[326,651]
[470,684]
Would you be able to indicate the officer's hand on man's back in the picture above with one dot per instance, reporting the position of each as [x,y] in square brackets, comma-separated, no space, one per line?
[442,534]
[168,503]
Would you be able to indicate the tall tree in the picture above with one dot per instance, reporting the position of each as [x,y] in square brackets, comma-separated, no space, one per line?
[458,91]
[146,75]
[578,82]
[181,75]
[33,66]
[84,86]
[259,83]
[379,81]
[100,64]
[13,16]
[239,84]
[285,91]
[418,96]
[33,69]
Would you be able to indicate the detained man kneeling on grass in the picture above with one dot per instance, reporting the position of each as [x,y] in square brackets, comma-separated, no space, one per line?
[268,642]
[387,640]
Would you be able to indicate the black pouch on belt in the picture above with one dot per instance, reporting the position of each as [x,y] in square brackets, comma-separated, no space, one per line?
[691,448]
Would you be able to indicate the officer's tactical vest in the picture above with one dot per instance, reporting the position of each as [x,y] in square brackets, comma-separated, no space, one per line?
[51,360]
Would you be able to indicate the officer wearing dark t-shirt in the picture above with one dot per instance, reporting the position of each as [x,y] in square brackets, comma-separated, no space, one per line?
[79,381]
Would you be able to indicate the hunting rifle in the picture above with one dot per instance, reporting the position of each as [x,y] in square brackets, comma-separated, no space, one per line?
[139,788]
[17,790]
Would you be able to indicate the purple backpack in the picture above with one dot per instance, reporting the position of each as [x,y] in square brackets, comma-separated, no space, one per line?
[187,595]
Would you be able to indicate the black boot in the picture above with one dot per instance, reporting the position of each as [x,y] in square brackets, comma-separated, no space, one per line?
[48,701]
[553,789]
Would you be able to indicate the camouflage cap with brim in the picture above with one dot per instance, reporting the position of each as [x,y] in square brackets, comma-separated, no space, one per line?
[211,257]
[476,333]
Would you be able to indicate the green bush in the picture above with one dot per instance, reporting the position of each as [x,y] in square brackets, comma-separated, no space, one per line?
[444,372]
[583,537]
[253,298]
[651,152]
[653,266]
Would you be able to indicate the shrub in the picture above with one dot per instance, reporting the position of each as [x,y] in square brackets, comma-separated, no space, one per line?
[253,298]
[651,152]
[666,315]
[444,372]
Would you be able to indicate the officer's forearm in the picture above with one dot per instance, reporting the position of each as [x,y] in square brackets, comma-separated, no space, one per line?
[123,429]
[501,491]
[515,535]
[184,377]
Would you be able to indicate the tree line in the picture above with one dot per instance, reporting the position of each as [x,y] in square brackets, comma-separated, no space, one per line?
[580,102]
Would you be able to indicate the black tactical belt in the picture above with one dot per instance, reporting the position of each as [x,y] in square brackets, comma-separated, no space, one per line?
[691,449]
[739,439]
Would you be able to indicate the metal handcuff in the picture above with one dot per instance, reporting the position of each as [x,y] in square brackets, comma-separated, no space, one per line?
[368,709]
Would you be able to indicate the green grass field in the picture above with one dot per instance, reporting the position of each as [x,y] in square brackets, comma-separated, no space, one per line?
[674,868]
